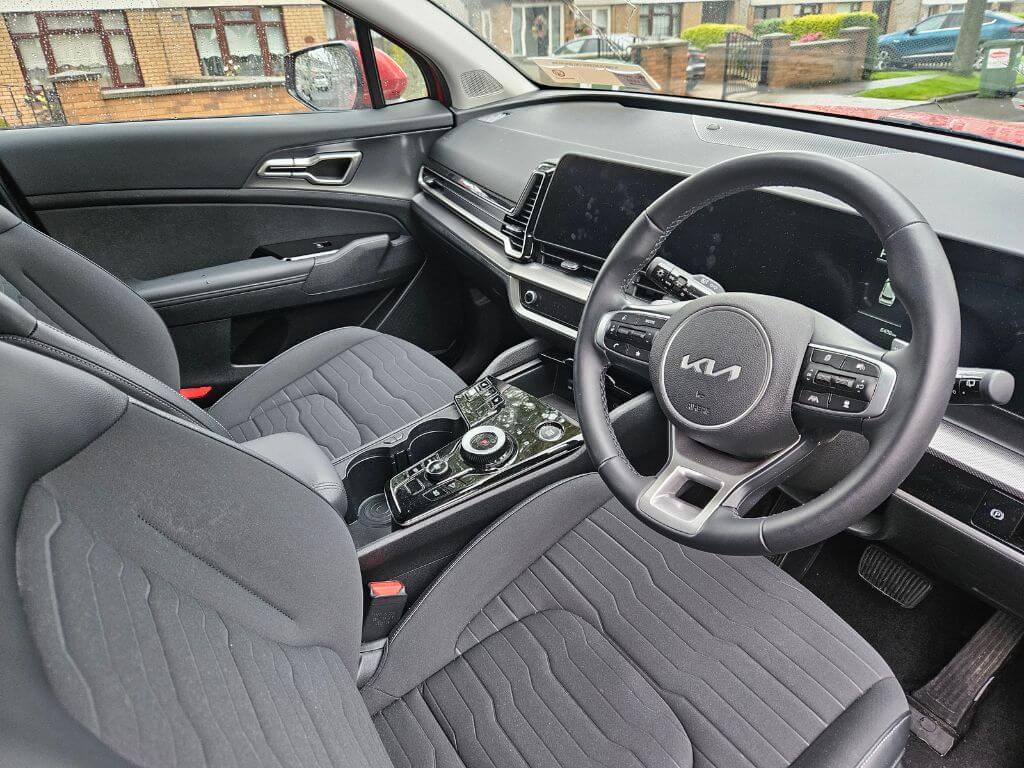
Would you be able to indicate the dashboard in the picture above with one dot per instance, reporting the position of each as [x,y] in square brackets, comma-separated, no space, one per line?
[537,196]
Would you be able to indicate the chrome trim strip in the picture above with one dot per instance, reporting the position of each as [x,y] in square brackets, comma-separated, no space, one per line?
[298,167]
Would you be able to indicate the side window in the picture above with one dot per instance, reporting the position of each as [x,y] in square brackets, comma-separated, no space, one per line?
[931,23]
[152,61]
[953,21]
[400,76]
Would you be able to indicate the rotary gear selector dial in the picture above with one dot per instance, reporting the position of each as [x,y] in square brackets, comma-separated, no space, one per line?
[486,446]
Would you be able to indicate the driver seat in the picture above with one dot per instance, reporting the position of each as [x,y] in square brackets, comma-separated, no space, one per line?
[168,598]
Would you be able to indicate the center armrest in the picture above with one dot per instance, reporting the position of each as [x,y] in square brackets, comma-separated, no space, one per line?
[303,459]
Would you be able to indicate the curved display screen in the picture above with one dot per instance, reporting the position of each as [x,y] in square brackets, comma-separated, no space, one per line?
[753,241]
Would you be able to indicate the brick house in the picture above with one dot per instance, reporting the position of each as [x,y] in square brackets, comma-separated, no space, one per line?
[137,59]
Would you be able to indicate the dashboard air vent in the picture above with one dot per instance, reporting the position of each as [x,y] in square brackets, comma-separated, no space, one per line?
[516,228]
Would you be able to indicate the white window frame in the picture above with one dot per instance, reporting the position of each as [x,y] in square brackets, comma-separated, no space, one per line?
[556,31]
[590,13]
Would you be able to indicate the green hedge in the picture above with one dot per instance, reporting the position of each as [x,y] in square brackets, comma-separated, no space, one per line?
[769,26]
[831,25]
[869,20]
[703,35]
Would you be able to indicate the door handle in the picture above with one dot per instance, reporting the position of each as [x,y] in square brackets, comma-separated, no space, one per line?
[326,168]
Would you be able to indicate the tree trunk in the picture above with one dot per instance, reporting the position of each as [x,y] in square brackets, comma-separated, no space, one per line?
[967,41]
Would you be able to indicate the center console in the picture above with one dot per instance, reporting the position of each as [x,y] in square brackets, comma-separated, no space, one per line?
[508,432]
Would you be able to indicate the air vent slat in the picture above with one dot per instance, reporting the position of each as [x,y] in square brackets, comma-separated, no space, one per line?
[516,226]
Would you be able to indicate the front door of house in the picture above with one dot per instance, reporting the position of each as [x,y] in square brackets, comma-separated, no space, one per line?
[536,29]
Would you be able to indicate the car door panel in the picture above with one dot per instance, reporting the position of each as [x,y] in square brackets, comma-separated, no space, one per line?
[241,265]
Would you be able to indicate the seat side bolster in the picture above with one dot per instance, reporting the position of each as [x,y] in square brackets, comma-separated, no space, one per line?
[871,733]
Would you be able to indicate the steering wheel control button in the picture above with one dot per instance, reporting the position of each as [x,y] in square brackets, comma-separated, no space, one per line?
[715,367]
[859,366]
[846,404]
[640,319]
[999,514]
[550,432]
[828,357]
[812,398]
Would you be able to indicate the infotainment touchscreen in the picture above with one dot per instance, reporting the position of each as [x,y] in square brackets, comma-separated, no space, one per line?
[591,202]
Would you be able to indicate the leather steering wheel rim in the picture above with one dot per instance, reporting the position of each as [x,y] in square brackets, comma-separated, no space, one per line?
[917,377]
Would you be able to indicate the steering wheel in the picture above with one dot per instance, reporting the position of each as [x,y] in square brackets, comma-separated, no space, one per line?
[752,384]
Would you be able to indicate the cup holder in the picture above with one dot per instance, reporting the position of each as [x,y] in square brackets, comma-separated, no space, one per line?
[368,474]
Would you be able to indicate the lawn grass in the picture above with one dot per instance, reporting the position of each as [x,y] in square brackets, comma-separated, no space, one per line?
[939,84]
[923,90]
[889,74]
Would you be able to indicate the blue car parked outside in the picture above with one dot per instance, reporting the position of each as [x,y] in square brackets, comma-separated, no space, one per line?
[933,40]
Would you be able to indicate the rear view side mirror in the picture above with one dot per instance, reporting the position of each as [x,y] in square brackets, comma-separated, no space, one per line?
[326,77]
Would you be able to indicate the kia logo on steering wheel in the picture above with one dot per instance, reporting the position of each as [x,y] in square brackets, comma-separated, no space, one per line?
[706,366]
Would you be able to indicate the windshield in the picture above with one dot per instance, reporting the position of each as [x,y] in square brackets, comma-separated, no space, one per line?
[956,68]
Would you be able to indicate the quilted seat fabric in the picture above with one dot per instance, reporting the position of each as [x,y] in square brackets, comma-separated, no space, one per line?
[752,665]
[342,389]
[549,690]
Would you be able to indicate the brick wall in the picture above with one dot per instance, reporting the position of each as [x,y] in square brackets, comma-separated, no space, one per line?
[666,63]
[303,25]
[691,15]
[796,64]
[84,102]
[164,46]
[625,18]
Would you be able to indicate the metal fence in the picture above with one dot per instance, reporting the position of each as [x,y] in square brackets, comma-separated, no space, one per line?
[21,107]
[745,63]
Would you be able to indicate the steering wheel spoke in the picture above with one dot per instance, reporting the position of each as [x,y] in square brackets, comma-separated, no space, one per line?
[700,488]
[627,335]
[843,387]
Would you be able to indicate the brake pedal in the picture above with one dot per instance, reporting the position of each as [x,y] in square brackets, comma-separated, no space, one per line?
[941,711]
[893,577]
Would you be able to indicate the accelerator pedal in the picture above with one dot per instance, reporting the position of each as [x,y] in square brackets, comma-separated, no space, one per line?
[941,711]
[893,577]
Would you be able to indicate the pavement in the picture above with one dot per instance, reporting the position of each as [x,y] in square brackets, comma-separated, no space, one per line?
[999,120]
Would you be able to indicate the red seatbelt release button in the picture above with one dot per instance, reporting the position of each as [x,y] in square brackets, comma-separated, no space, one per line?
[385,609]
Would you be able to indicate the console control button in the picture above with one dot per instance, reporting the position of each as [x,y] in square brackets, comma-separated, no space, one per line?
[550,432]
[999,514]
[437,469]
[859,366]
[486,446]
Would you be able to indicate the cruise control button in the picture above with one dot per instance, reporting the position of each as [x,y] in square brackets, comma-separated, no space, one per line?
[859,366]
[810,397]
[826,357]
[846,404]
[824,379]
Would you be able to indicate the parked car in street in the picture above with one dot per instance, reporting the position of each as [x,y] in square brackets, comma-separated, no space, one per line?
[933,40]
[617,46]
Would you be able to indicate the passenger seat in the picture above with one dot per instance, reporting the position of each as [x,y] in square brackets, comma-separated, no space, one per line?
[343,388]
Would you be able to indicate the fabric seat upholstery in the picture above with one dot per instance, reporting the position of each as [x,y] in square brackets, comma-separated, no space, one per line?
[753,667]
[168,598]
[342,388]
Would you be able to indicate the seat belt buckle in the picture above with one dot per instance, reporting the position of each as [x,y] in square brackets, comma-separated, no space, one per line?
[385,608]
